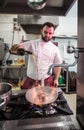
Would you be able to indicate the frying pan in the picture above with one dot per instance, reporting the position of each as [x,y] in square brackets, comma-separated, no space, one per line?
[41,95]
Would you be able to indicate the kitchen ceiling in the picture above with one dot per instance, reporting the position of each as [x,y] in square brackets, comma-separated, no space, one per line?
[52,9]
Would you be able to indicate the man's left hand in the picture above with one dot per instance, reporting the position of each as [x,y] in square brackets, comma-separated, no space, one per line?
[55,82]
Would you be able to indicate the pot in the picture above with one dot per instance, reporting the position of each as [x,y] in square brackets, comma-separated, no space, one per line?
[5,93]
[41,95]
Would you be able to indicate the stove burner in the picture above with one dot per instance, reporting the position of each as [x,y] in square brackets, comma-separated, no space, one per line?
[20,108]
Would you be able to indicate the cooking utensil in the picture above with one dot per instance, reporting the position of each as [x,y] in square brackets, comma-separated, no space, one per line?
[41,95]
[5,93]
[20,51]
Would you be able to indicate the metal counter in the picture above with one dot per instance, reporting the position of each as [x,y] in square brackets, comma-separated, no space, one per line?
[47,123]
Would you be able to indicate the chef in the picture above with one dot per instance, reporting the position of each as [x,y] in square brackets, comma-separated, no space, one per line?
[44,54]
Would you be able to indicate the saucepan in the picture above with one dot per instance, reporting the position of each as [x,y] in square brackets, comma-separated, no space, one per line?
[41,95]
[5,93]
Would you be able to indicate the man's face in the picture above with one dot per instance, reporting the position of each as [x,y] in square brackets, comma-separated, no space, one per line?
[47,33]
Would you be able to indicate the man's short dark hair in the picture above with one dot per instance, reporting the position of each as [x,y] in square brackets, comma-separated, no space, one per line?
[49,24]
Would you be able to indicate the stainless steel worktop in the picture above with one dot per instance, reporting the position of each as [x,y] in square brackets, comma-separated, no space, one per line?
[47,123]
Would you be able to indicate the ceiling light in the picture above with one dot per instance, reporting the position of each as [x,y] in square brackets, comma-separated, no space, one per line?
[36,4]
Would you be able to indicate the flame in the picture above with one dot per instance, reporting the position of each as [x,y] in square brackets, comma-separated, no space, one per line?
[41,97]
[38,95]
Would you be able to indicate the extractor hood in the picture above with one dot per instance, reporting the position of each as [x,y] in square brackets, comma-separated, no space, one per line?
[31,19]
[53,7]
[32,23]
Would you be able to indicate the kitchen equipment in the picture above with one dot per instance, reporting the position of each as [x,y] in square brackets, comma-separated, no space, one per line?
[20,108]
[5,93]
[36,4]
[19,51]
[41,95]
[80,66]
[3,50]
[9,62]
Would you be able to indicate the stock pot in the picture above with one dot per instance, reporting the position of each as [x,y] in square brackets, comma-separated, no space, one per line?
[5,93]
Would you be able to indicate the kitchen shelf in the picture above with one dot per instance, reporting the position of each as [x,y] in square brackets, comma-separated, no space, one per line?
[20,69]
[62,86]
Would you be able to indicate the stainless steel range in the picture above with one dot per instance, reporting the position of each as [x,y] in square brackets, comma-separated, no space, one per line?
[20,114]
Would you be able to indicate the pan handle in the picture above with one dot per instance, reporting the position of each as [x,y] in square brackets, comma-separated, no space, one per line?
[3,102]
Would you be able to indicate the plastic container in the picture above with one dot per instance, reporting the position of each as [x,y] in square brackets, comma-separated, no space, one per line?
[60,80]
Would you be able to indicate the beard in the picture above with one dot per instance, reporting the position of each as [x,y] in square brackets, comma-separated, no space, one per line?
[45,39]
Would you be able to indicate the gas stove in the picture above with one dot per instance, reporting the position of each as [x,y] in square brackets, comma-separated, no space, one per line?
[19,108]
[19,114]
